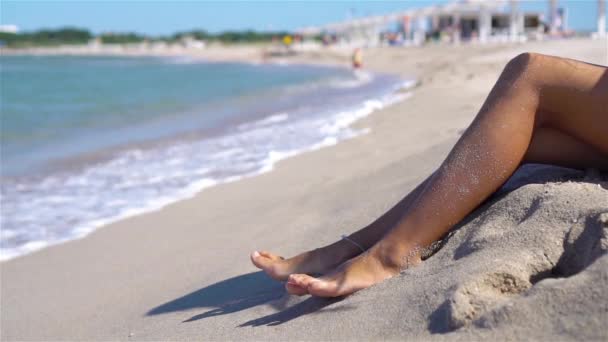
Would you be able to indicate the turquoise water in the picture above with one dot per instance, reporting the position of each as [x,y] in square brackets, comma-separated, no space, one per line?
[89,140]
[56,107]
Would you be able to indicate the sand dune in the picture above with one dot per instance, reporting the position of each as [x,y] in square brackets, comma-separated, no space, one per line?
[530,263]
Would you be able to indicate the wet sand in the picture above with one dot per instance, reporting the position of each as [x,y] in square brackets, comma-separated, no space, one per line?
[529,263]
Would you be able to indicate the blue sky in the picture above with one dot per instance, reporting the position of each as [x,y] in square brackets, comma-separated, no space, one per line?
[165,17]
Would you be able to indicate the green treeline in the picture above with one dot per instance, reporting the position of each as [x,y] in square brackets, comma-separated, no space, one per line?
[71,35]
[66,35]
[121,38]
[248,36]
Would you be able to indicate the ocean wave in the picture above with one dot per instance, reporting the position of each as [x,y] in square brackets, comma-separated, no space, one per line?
[269,120]
[68,206]
[182,60]
[360,78]
[349,79]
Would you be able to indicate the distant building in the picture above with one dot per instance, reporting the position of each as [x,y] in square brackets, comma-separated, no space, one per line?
[9,28]
[601,19]
[454,21]
[191,42]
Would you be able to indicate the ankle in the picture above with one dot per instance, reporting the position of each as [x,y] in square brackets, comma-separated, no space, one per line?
[338,252]
[398,256]
[345,249]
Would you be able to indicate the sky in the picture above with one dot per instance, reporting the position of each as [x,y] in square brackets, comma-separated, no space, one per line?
[166,17]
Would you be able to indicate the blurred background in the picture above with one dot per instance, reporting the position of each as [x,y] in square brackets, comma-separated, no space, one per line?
[165,21]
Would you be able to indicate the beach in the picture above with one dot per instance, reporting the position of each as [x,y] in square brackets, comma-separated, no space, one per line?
[530,263]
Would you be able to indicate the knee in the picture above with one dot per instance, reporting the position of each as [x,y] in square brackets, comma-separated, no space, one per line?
[525,64]
[524,59]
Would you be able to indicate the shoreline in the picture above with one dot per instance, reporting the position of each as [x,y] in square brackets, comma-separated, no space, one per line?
[399,93]
[331,57]
[250,54]
[182,272]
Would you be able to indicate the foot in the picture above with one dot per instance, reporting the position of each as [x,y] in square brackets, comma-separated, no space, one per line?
[317,261]
[376,265]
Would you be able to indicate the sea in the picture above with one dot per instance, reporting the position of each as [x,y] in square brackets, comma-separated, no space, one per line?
[86,141]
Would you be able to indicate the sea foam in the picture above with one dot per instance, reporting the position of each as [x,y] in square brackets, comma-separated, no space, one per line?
[67,206]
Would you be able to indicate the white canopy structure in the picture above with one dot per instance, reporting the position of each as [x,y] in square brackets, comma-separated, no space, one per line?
[601,18]
[487,18]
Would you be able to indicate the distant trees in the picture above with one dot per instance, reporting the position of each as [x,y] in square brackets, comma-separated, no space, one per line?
[121,38]
[196,34]
[68,35]
[248,36]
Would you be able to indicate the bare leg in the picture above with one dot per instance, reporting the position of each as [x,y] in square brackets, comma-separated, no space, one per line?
[324,259]
[550,146]
[564,101]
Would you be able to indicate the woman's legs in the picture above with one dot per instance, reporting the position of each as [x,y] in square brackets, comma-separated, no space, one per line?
[324,259]
[564,101]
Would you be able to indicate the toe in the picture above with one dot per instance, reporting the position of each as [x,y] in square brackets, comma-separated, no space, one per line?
[295,289]
[261,261]
[300,280]
[323,288]
[271,256]
[255,257]
[274,267]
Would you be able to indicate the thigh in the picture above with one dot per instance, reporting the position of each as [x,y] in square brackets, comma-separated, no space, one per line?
[573,98]
[550,146]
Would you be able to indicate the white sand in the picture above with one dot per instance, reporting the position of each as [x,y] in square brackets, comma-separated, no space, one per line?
[529,263]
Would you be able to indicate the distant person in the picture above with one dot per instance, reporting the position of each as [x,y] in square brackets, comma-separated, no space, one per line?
[542,109]
[287,40]
[357,59]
